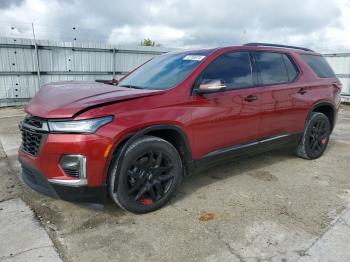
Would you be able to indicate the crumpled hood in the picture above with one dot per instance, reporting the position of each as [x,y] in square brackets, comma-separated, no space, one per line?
[65,99]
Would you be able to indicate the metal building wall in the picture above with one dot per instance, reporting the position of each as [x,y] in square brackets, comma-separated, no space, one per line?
[340,63]
[20,78]
[19,59]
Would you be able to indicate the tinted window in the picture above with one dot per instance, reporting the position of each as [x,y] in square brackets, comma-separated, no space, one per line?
[319,65]
[271,67]
[291,69]
[164,71]
[233,69]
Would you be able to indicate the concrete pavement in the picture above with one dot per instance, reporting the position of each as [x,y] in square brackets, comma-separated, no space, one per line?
[270,207]
[22,237]
[334,244]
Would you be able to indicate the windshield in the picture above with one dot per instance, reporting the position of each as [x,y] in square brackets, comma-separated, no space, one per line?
[164,71]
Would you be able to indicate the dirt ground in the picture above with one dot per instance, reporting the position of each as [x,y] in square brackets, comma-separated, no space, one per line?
[269,207]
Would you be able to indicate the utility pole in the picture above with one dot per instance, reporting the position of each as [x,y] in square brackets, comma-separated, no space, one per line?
[37,58]
[243,36]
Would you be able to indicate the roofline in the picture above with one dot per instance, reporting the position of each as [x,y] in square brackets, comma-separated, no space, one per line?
[249,46]
[336,54]
[279,46]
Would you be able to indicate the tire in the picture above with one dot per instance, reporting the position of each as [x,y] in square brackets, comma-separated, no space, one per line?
[315,137]
[149,174]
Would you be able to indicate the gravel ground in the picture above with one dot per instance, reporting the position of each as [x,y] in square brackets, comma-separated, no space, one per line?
[269,207]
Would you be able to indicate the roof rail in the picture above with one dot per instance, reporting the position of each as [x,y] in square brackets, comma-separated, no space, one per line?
[276,45]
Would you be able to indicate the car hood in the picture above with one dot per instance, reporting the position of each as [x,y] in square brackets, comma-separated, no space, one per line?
[66,99]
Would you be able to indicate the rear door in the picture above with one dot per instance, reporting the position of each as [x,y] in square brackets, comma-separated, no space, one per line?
[282,102]
[231,117]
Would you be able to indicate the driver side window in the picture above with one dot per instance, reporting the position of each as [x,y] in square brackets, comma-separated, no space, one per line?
[232,69]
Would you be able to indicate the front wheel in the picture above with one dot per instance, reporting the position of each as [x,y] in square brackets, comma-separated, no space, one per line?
[149,174]
[315,137]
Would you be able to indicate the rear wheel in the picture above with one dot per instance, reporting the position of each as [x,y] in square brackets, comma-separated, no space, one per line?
[315,138]
[150,172]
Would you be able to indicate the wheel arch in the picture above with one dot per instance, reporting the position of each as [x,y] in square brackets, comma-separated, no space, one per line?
[169,132]
[175,136]
[326,108]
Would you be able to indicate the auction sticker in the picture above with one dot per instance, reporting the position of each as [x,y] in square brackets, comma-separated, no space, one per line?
[194,57]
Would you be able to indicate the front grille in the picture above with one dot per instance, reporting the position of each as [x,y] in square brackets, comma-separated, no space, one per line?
[32,134]
[33,121]
[31,141]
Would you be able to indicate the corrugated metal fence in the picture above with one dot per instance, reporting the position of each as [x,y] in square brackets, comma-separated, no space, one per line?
[340,63]
[25,65]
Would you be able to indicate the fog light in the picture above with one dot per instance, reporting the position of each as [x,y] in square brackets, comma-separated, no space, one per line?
[74,165]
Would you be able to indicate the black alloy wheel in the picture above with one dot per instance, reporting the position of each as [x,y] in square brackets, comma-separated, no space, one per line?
[318,136]
[315,137]
[147,176]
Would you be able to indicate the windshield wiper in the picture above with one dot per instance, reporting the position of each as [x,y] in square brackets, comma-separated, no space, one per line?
[131,86]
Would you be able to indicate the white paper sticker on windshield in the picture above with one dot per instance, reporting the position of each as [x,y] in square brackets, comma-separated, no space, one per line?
[194,57]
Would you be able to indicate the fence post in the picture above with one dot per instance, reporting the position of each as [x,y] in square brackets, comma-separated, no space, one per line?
[114,66]
[37,57]
[37,65]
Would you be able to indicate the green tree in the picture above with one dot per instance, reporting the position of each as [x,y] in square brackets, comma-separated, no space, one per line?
[147,42]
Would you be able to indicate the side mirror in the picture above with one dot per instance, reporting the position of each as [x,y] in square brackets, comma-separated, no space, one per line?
[210,86]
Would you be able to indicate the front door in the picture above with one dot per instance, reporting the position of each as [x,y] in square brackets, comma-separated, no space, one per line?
[229,117]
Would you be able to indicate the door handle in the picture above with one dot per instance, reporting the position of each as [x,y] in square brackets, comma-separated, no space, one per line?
[250,98]
[302,91]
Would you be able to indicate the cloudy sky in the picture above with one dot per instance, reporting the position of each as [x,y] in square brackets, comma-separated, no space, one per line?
[323,25]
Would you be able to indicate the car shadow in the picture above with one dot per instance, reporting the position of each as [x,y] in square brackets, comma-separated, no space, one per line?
[219,171]
[230,168]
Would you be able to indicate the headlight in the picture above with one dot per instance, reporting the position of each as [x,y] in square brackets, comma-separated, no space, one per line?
[79,126]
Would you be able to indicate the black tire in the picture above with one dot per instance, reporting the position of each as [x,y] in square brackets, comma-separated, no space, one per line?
[315,137]
[150,172]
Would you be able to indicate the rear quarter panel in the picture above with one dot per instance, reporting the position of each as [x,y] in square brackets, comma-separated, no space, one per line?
[320,90]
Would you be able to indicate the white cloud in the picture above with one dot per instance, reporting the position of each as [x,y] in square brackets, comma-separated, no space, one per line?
[158,33]
[319,24]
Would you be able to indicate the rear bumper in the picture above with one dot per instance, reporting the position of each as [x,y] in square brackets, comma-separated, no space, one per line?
[76,193]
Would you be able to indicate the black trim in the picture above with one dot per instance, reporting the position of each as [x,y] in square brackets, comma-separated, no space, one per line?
[284,57]
[82,193]
[188,151]
[277,45]
[320,104]
[250,148]
[38,182]
[255,69]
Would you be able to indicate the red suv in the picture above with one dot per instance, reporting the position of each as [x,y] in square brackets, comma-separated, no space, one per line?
[175,113]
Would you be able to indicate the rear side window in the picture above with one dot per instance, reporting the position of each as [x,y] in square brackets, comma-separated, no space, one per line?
[234,69]
[274,68]
[319,65]
[290,67]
